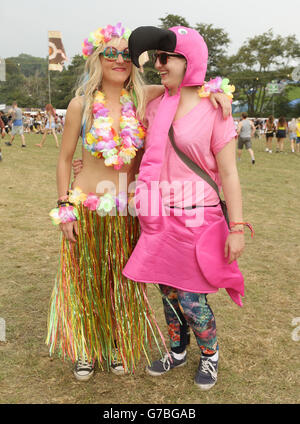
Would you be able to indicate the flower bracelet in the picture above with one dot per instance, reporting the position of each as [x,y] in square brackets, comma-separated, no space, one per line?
[217,85]
[64,212]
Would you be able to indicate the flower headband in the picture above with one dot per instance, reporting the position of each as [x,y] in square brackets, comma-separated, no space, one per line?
[101,35]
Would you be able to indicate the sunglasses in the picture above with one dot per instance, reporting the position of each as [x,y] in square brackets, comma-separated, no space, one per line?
[111,53]
[163,57]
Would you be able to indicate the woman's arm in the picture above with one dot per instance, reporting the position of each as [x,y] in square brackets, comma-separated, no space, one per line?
[68,146]
[153,91]
[226,161]
[64,165]
[217,99]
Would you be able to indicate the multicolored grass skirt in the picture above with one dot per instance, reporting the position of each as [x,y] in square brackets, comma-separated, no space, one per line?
[93,307]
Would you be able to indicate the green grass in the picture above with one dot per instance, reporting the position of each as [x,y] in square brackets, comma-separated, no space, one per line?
[259,361]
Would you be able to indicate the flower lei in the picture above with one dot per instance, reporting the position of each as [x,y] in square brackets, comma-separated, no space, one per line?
[103,142]
[103,35]
[217,85]
[102,205]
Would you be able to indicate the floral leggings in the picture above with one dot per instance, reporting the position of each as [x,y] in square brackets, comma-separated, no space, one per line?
[194,311]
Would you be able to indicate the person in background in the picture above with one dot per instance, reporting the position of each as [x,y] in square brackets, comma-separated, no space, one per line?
[298,136]
[270,131]
[245,131]
[2,129]
[292,129]
[281,132]
[17,125]
[50,126]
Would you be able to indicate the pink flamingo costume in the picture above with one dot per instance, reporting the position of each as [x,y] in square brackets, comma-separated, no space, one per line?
[168,251]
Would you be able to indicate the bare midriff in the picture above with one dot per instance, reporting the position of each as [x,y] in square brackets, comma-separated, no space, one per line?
[95,177]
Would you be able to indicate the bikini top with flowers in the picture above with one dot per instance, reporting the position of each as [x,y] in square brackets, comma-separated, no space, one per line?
[102,141]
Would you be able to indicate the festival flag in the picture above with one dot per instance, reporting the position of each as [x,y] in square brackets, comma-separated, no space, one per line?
[2,70]
[57,55]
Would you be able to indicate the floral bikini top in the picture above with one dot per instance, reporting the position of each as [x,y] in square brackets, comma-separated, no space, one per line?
[102,141]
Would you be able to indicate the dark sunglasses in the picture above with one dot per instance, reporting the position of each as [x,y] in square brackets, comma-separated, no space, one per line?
[163,57]
[111,53]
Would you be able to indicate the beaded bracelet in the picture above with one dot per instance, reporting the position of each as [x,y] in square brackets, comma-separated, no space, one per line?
[246,224]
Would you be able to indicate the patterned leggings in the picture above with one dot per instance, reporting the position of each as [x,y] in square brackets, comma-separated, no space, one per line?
[194,311]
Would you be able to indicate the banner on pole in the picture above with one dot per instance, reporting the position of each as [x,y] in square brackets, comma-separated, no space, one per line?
[2,70]
[57,55]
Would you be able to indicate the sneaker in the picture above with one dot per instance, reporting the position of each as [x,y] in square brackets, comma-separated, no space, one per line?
[83,370]
[206,376]
[270,151]
[165,364]
[23,145]
[8,143]
[267,149]
[253,161]
[117,365]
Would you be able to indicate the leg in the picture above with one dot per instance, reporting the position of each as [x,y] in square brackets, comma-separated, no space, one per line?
[55,136]
[202,321]
[293,145]
[23,140]
[200,318]
[43,139]
[251,153]
[178,334]
[269,144]
[177,331]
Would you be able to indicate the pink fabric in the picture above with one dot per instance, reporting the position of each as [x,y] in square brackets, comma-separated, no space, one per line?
[207,133]
[192,45]
[168,250]
[188,258]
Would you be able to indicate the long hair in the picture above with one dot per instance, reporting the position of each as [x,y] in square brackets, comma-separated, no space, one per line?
[281,121]
[50,110]
[90,82]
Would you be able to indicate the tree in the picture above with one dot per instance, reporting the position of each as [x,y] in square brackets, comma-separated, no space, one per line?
[63,84]
[260,60]
[173,20]
[217,41]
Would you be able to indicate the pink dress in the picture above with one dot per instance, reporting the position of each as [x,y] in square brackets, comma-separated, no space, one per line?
[187,251]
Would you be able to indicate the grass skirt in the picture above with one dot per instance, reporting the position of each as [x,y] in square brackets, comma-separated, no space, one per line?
[93,306]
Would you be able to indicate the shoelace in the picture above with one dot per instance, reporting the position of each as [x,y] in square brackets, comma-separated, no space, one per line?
[166,361]
[84,363]
[207,366]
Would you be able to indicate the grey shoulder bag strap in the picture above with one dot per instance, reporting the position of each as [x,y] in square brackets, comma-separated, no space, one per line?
[199,171]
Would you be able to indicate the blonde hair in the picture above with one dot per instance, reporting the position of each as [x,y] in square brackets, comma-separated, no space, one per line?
[90,82]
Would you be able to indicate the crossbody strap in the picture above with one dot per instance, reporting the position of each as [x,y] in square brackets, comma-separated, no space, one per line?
[192,165]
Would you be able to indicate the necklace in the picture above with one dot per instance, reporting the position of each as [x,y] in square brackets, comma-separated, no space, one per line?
[102,141]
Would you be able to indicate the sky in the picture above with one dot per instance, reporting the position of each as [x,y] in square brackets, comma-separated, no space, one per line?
[24,24]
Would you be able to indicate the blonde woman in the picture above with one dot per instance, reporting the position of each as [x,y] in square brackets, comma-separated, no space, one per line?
[96,314]
[50,125]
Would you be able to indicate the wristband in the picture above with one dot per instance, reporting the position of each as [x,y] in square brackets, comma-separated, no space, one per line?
[246,224]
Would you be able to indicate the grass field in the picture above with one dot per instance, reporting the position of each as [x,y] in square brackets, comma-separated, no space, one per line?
[259,360]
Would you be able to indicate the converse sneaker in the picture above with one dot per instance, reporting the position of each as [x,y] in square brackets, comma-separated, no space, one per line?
[206,376]
[84,369]
[117,365]
[161,366]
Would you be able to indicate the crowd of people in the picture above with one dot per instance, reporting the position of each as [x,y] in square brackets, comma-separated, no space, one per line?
[17,122]
[279,129]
